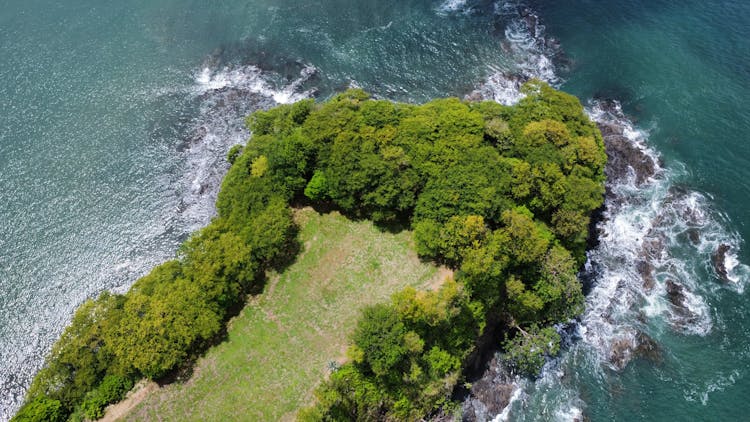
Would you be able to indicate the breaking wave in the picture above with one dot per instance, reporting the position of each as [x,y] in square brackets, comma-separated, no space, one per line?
[531,52]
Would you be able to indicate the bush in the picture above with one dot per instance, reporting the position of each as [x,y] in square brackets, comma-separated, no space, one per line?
[40,409]
[112,389]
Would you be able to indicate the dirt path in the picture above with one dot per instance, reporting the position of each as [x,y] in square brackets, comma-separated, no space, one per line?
[437,281]
[119,410]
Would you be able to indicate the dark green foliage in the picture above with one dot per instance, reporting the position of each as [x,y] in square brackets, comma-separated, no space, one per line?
[347,396]
[164,317]
[528,350]
[112,389]
[221,264]
[280,120]
[501,194]
[40,409]
[80,358]
[233,153]
[380,337]
[317,188]
[405,359]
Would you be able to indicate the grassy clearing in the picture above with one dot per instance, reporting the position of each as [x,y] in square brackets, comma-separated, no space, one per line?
[284,341]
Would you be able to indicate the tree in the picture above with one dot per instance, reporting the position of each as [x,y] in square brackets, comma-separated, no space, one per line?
[529,349]
[317,188]
[527,240]
[380,335]
[220,264]
[164,317]
[559,287]
[80,358]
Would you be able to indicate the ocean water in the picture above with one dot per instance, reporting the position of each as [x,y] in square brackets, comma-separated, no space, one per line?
[114,120]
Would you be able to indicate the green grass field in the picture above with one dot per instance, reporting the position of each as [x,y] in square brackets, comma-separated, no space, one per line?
[285,340]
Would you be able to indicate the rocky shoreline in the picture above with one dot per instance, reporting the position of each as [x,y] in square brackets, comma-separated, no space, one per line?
[491,392]
[633,166]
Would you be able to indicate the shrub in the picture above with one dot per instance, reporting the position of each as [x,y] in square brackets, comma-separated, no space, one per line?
[40,409]
[112,389]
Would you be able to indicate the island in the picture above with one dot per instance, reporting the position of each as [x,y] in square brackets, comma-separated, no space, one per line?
[500,198]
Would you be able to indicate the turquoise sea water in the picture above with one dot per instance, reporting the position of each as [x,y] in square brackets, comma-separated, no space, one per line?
[114,119]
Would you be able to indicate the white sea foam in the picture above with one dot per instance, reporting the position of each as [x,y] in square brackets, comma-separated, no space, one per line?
[452,6]
[530,55]
[643,267]
[718,383]
[226,96]
[643,223]
[252,79]
[571,414]
[501,88]
[504,416]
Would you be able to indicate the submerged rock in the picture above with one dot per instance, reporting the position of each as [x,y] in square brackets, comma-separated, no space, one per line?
[718,260]
[676,294]
[623,155]
[646,271]
[648,348]
[683,317]
[653,246]
[637,345]
[694,235]
[192,139]
[620,352]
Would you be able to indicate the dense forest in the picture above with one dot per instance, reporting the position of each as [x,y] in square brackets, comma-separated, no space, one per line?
[501,194]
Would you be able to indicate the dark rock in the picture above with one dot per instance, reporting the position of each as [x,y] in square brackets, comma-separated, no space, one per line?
[620,353]
[692,216]
[718,260]
[624,157]
[625,349]
[531,23]
[193,139]
[682,317]
[694,235]
[622,153]
[652,247]
[676,296]
[474,96]
[443,416]
[611,129]
[647,348]
[646,271]
[490,394]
